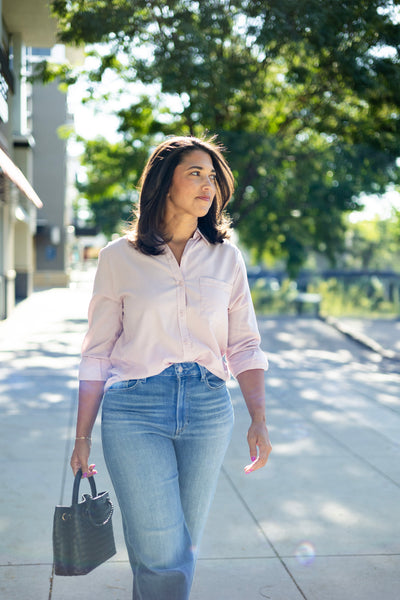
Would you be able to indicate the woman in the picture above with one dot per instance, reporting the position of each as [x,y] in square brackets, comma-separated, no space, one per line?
[170,316]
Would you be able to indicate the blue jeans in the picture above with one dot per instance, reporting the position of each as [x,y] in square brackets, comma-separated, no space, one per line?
[164,440]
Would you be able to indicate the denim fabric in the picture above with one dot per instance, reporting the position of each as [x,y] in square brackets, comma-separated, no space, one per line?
[164,440]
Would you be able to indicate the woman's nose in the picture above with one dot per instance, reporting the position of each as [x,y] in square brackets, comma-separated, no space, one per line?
[208,183]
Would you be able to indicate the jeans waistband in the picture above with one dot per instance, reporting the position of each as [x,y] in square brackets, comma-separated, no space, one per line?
[188,369]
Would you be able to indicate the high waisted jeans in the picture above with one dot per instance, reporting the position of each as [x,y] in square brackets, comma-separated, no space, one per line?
[164,440]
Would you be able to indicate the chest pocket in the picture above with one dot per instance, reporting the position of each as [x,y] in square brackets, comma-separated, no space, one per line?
[215,295]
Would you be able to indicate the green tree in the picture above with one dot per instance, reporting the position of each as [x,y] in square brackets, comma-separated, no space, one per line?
[372,244]
[304,94]
[109,186]
[113,169]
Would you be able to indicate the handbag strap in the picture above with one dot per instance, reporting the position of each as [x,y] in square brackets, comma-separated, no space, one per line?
[77,482]
[107,517]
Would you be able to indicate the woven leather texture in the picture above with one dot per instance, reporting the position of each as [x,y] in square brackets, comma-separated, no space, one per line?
[83,536]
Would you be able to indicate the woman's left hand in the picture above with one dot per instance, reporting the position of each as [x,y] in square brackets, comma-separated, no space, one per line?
[258,438]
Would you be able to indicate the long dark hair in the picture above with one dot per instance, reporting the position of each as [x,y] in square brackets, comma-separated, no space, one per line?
[146,233]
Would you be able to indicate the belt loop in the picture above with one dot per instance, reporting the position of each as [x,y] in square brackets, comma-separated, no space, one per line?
[203,372]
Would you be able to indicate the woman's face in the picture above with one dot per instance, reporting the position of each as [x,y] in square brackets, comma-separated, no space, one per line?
[193,187]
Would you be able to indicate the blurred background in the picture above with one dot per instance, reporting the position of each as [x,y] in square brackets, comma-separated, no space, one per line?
[305,96]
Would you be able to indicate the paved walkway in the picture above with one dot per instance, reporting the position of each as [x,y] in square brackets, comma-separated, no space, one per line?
[380,335]
[321,522]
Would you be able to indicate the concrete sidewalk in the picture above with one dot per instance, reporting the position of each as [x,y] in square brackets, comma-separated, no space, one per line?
[382,336]
[321,522]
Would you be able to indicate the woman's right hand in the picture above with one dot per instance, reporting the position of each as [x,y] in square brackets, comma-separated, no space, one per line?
[80,458]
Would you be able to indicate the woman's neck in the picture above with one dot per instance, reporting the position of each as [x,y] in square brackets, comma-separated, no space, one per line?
[179,232]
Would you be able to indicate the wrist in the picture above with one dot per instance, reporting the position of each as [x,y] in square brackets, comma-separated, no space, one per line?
[258,417]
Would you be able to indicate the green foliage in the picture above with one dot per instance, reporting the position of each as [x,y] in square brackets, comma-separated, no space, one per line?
[372,245]
[371,248]
[304,94]
[48,72]
[360,297]
[112,174]
[272,299]
[66,132]
[113,169]
[364,297]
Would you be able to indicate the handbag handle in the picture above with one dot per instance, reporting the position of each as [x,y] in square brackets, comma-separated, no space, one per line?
[75,493]
[77,482]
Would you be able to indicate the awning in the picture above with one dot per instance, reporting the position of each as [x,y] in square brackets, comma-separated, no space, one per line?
[11,170]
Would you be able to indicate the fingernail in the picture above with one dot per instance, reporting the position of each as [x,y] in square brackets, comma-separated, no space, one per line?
[94,472]
[253,458]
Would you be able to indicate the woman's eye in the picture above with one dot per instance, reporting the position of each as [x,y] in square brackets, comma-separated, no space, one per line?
[212,177]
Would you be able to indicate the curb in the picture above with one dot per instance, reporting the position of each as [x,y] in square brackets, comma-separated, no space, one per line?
[361,339]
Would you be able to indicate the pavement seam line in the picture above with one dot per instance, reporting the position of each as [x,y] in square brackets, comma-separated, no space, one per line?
[375,402]
[345,446]
[261,530]
[67,452]
[244,558]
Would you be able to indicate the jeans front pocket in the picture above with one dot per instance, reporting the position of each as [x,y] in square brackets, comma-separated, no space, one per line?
[213,382]
[128,384]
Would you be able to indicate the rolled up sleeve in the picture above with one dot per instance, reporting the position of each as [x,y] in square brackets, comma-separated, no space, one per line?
[243,351]
[105,325]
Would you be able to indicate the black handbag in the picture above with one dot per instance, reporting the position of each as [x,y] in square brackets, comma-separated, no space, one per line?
[83,536]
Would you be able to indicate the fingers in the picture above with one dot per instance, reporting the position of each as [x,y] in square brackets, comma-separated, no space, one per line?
[80,459]
[259,461]
[87,470]
[76,463]
[260,447]
[91,471]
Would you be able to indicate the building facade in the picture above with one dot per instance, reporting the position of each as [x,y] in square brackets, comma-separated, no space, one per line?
[50,162]
[32,158]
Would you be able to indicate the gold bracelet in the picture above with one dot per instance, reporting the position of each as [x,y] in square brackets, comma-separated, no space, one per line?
[84,437]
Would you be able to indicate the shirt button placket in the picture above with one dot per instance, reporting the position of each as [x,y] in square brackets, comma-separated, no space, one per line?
[182,316]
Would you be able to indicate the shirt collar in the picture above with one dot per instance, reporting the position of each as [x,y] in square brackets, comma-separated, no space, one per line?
[198,235]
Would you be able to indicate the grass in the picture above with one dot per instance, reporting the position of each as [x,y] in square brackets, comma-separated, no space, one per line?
[366,297]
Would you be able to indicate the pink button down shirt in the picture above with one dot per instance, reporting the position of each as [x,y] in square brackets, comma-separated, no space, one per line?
[148,312]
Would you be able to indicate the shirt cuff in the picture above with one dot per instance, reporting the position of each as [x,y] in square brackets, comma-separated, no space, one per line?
[253,359]
[94,369]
